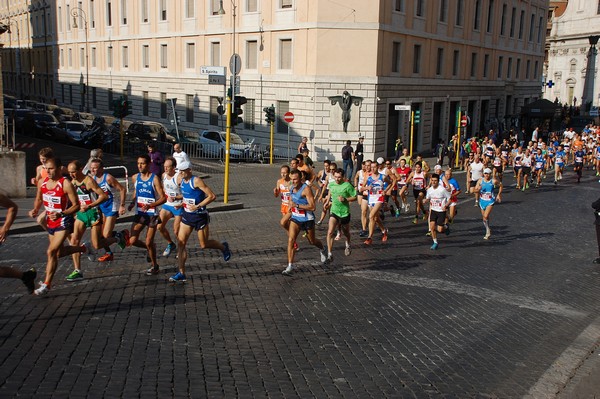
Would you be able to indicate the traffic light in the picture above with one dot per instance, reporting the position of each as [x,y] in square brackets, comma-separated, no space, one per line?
[417,116]
[237,109]
[128,109]
[117,108]
[269,114]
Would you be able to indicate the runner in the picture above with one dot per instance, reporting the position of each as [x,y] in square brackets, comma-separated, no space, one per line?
[419,180]
[474,174]
[559,164]
[59,198]
[375,185]
[505,153]
[526,163]
[486,186]
[341,193]
[148,195]
[90,196]
[438,197]
[360,180]
[517,166]
[539,167]
[403,171]
[172,208]
[196,195]
[498,165]
[578,157]
[327,178]
[302,206]
[40,174]
[393,190]
[109,209]
[454,193]
[282,190]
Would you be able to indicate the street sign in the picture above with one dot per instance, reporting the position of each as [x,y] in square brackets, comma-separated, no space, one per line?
[402,107]
[463,121]
[237,83]
[235,64]
[288,117]
[594,111]
[216,80]
[212,70]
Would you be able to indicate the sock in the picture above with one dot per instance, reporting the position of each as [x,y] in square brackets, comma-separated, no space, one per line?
[487,226]
[347,244]
[290,265]
[435,241]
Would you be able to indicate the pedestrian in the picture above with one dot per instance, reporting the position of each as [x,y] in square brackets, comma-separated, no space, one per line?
[521,137]
[359,152]
[303,145]
[156,160]
[348,159]
[535,134]
[596,206]
[148,195]
[27,277]
[341,193]
[196,195]
[59,198]
[179,155]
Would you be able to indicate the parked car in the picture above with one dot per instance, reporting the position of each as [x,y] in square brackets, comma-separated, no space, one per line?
[39,124]
[84,117]
[64,114]
[18,116]
[70,132]
[41,107]
[149,131]
[213,144]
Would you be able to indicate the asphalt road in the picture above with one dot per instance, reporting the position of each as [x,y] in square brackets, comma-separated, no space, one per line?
[515,316]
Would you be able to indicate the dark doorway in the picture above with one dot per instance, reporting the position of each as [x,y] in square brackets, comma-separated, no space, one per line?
[484,115]
[436,127]
[471,114]
[452,120]
[393,129]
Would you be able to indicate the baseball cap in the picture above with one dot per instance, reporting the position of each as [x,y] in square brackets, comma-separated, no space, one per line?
[184,165]
[380,160]
[487,170]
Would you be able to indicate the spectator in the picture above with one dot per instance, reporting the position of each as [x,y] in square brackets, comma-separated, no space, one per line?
[179,155]
[359,153]
[96,153]
[348,158]
[156,160]
[303,145]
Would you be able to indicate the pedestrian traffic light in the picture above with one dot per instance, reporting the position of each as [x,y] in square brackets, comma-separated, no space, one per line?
[417,116]
[269,114]
[238,101]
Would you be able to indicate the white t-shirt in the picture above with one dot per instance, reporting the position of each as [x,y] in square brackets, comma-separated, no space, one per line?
[476,171]
[438,198]
[180,157]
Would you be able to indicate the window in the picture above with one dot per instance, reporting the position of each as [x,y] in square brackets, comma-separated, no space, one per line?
[70,58]
[81,57]
[215,54]
[500,66]
[109,57]
[455,62]
[490,18]
[285,54]
[145,103]
[163,105]
[145,56]
[443,11]
[125,54]
[70,94]
[513,15]
[60,22]
[440,61]
[399,5]
[527,66]
[503,20]
[92,16]
[518,69]
[62,92]
[521,22]
[598,12]
[282,108]
[251,54]
[108,13]
[417,58]
[396,57]
[190,49]
[110,100]
[94,100]
[144,10]
[249,114]
[539,32]
[124,12]
[459,12]
[68,18]
[62,57]
[163,10]
[215,6]
[509,68]
[531,27]
[189,108]
[213,119]
[419,8]
[251,5]
[190,11]
[573,66]
[486,65]
[286,3]
[477,15]
[473,64]
[163,55]
[535,70]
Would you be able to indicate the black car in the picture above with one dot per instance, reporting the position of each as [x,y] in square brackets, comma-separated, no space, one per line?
[39,124]
[148,131]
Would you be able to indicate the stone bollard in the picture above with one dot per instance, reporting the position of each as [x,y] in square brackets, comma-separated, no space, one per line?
[12,165]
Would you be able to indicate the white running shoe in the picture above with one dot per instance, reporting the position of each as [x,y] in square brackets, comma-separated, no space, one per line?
[347,251]
[42,290]
[288,270]
[323,256]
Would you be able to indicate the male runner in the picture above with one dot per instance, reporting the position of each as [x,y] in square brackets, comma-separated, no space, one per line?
[172,207]
[454,193]
[403,171]
[438,197]
[341,193]
[487,187]
[578,157]
[559,163]
[474,174]
[360,180]
[376,186]
[418,178]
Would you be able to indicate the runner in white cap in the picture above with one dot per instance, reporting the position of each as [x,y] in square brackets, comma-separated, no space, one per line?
[486,187]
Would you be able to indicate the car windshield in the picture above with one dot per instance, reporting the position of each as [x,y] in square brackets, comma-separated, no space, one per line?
[233,138]
[46,118]
[75,126]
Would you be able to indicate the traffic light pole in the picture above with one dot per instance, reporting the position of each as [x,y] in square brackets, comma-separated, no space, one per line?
[121,134]
[227,135]
[412,131]
[271,143]
[457,144]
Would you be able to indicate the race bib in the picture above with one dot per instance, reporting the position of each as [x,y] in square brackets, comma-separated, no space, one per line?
[141,201]
[299,213]
[51,203]
[486,196]
[84,199]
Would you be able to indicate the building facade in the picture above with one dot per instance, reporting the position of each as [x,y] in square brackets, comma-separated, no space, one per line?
[342,69]
[569,54]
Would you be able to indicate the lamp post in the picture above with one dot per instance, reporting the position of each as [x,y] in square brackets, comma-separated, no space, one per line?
[17,55]
[79,13]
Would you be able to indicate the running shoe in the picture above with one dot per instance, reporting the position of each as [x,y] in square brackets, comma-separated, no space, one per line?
[288,270]
[487,236]
[319,222]
[88,250]
[28,279]
[329,258]
[363,234]
[125,234]
[385,235]
[226,252]
[415,220]
[179,277]
[447,231]
[152,271]
[434,246]
[397,213]
[347,251]
[120,240]
[369,241]
[42,290]
[169,248]
[338,236]
[296,248]
[107,257]
[407,208]
[428,234]
[75,275]
[323,256]
[596,261]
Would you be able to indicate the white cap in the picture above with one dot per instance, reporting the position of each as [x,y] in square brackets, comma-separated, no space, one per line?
[487,170]
[380,160]
[184,165]
[437,167]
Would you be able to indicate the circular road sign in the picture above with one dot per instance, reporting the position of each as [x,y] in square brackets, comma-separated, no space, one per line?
[288,117]
[463,121]
[235,64]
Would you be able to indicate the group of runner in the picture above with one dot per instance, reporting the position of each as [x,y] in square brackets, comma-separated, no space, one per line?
[95,200]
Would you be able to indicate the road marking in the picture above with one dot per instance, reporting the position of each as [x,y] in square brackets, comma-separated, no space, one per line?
[557,376]
[11,261]
[469,290]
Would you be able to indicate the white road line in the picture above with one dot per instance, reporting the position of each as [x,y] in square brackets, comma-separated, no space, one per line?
[477,292]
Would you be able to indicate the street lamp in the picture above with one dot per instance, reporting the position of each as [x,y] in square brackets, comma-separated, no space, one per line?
[17,54]
[79,13]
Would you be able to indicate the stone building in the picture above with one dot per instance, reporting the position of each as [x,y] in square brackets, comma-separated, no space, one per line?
[483,58]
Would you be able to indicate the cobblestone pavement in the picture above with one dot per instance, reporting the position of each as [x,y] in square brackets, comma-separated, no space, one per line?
[510,317]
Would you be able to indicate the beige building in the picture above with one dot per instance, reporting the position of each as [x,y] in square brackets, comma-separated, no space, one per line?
[484,57]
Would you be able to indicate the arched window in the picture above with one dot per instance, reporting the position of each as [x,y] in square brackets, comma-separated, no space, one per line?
[573,67]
